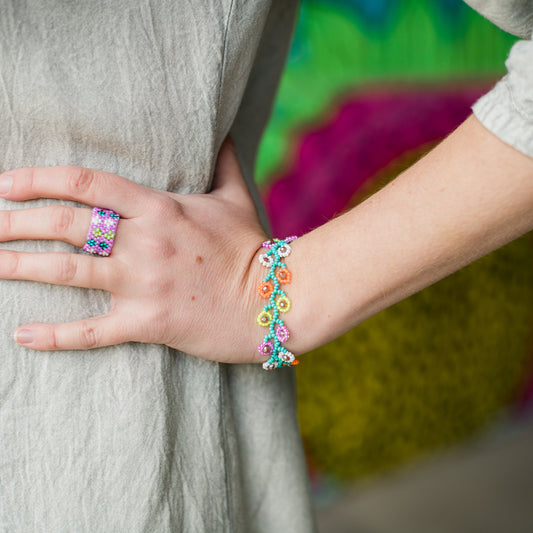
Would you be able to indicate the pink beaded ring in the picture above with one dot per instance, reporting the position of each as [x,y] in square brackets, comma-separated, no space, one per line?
[102,231]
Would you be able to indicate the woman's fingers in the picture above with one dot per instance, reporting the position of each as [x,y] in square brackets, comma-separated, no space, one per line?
[60,268]
[62,223]
[105,330]
[85,185]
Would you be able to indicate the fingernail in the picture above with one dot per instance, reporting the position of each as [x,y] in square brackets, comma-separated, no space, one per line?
[5,184]
[24,336]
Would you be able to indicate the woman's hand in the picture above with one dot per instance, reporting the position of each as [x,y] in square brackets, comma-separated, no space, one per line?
[181,272]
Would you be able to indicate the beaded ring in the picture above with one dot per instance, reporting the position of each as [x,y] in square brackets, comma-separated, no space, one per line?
[102,230]
[278,303]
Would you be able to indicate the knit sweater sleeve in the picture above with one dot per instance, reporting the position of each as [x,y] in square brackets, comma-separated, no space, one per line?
[507,110]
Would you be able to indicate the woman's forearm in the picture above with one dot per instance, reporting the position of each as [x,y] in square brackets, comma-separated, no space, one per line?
[468,196]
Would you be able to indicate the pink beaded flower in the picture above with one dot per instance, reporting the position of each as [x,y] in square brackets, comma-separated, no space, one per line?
[282,333]
[266,348]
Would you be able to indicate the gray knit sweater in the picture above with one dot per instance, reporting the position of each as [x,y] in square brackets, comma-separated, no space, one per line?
[507,110]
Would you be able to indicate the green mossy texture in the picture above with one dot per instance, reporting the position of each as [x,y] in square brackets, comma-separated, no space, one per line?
[427,372]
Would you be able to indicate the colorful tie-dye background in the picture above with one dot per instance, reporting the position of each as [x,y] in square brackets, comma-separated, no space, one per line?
[370,86]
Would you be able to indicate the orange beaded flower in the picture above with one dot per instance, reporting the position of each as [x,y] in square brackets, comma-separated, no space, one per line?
[265,289]
[283,275]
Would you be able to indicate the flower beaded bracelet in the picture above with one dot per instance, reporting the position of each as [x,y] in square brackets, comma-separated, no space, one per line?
[278,303]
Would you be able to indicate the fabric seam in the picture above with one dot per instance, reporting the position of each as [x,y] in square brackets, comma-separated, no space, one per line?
[220,367]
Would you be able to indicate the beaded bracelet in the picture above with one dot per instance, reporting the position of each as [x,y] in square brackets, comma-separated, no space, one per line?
[278,303]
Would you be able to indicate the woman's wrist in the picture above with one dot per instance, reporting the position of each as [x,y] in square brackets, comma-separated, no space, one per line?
[272,290]
[319,312]
[307,320]
[466,198]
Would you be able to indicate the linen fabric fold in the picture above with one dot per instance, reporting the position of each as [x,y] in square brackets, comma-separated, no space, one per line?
[139,437]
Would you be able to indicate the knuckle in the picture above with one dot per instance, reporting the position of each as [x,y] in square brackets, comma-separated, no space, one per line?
[6,222]
[30,183]
[68,268]
[116,276]
[52,339]
[62,219]
[155,322]
[79,180]
[12,263]
[167,208]
[155,283]
[88,335]
[161,248]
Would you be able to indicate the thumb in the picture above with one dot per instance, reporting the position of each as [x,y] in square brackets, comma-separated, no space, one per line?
[228,180]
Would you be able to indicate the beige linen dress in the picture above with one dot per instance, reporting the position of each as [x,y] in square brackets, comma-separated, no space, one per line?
[138,437]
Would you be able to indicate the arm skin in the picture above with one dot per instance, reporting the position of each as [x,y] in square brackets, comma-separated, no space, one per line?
[467,197]
[182,264]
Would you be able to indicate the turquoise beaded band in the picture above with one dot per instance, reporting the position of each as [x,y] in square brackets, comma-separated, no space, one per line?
[278,303]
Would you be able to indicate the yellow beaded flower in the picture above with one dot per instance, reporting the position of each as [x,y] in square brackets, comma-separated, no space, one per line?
[264,318]
[283,304]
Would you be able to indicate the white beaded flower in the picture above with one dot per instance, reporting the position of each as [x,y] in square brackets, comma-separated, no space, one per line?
[269,366]
[286,356]
[284,250]
[266,260]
